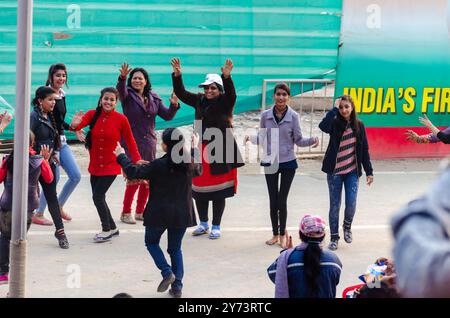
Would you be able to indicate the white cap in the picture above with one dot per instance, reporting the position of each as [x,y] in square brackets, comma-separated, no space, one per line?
[212,78]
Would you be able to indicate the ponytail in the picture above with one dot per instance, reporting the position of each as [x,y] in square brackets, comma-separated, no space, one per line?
[312,263]
[57,138]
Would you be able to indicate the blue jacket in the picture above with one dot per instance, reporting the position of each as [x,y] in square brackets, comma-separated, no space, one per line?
[330,272]
[334,125]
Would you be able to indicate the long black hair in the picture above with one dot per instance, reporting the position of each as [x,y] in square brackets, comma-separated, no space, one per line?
[10,159]
[148,85]
[42,93]
[98,111]
[311,260]
[53,69]
[173,137]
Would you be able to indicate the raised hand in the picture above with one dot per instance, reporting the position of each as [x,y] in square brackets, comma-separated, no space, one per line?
[176,66]
[337,102]
[76,120]
[45,152]
[119,150]
[5,119]
[173,99]
[195,140]
[226,69]
[425,121]
[125,70]
[411,135]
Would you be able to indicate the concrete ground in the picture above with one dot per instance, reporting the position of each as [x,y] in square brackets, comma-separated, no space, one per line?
[233,266]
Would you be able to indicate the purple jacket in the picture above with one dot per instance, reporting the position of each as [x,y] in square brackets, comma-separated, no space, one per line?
[278,139]
[142,120]
[435,139]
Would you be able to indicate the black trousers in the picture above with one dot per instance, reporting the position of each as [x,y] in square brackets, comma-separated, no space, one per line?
[100,185]
[5,238]
[278,198]
[218,208]
[51,196]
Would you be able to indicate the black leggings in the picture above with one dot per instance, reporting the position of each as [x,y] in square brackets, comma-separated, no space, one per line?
[218,208]
[51,196]
[278,198]
[100,185]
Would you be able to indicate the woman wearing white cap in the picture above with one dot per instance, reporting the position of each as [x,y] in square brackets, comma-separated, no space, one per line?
[214,111]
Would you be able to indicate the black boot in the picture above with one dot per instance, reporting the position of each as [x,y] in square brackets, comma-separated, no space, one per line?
[62,239]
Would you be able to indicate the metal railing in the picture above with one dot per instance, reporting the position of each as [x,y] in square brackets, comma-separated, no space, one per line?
[318,102]
[6,146]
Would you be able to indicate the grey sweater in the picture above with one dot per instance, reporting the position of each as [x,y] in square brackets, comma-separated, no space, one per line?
[422,242]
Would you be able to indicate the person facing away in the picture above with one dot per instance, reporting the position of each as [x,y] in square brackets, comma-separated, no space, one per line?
[421,230]
[169,206]
[38,167]
[306,271]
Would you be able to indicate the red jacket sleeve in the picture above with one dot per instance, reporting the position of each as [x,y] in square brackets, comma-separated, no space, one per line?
[129,140]
[46,172]
[85,120]
[3,171]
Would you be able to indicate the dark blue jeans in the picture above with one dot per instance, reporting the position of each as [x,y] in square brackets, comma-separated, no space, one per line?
[174,238]
[335,183]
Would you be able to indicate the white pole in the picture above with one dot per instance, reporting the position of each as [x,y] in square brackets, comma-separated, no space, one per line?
[21,132]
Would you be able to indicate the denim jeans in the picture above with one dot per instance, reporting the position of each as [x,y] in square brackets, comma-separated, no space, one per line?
[68,163]
[335,183]
[174,238]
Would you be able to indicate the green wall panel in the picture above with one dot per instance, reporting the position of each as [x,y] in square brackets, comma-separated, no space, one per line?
[292,39]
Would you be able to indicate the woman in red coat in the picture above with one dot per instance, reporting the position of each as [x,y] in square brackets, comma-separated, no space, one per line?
[107,127]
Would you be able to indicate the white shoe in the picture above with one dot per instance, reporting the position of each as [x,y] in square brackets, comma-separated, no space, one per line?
[102,237]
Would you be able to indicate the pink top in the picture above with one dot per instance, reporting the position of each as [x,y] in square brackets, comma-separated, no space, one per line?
[346,157]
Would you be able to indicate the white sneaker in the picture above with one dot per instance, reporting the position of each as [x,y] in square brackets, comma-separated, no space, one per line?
[102,237]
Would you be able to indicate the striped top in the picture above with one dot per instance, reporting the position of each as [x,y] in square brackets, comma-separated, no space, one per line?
[346,157]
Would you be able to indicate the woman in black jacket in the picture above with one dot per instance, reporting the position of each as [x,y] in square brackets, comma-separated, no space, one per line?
[169,206]
[220,154]
[347,151]
[42,124]
[57,78]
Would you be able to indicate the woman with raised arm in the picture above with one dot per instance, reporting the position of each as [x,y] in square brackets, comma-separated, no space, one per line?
[141,106]
[220,154]
[347,153]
